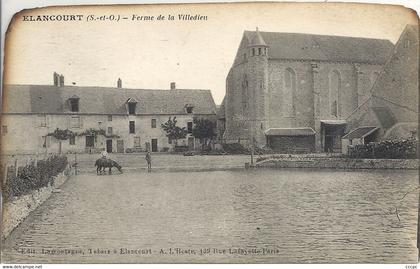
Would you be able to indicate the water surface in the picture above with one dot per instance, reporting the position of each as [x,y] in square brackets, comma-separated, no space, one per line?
[268,216]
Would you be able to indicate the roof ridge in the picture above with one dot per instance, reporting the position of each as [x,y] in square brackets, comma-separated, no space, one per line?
[310,34]
[104,87]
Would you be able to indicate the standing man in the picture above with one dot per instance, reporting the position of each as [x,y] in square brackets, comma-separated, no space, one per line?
[149,161]
[104,154]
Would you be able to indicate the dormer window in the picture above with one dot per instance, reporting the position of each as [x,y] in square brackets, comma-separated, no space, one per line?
[74,103]
[189,108]
[131,106]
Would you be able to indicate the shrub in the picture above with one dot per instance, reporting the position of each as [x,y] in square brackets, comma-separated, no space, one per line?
[31,177]
[235,148]
[180,148]
[390,149]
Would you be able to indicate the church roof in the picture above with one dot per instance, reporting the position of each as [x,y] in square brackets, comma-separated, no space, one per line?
[257,39]
[100,100]
[323,47]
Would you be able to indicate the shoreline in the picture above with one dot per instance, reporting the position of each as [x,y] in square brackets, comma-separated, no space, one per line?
[279,163]
[340,163]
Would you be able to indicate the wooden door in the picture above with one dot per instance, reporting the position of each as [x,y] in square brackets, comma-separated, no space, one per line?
[109,145]
[154,145]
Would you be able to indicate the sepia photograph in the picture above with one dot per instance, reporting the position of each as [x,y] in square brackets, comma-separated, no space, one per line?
[237,133]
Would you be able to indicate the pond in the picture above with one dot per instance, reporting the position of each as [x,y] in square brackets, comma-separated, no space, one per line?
[263,216]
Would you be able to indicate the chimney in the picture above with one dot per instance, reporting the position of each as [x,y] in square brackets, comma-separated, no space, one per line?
[61,80]
[119,83]
[173,86]
[55,75]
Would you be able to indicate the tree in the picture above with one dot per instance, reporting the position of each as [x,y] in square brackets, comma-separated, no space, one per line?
[61,135]
[204,129]
[174,132]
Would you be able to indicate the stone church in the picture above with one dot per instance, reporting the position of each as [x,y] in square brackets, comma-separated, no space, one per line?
[293,92]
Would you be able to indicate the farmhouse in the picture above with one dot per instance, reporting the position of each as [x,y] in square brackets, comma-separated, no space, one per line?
[113,119]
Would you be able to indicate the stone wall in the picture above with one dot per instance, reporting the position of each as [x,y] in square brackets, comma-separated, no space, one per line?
[339,163]
[18,208]
[250,94]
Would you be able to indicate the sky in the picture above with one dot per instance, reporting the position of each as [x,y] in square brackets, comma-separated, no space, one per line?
[194,54]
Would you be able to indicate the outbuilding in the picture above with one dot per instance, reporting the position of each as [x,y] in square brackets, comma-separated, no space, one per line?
[291,140]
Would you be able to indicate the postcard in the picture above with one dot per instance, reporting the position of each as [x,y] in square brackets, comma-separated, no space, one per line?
[211,133]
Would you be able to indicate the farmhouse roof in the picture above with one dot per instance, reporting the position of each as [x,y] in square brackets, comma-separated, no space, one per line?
[101,100]
[322,47]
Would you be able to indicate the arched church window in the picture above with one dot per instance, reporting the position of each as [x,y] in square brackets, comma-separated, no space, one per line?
[289,91]
[244,92]
[335,85]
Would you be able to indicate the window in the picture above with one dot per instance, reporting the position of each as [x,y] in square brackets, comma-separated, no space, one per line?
[109,117]
[4,129]
[153,123]
[131,108]
[189,127]
[244,92]
[244,56]
[289,91]
[334,108]
[110,130]
[132,127]
[74,104]
[259,51]
[90,141]
[137,142]
[75,122]
[42,119]
[72,140]
[189,109]
[335,82]
[253,52]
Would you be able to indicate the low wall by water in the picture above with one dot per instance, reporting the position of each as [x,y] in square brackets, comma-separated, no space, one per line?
[18,208]
[340,163]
